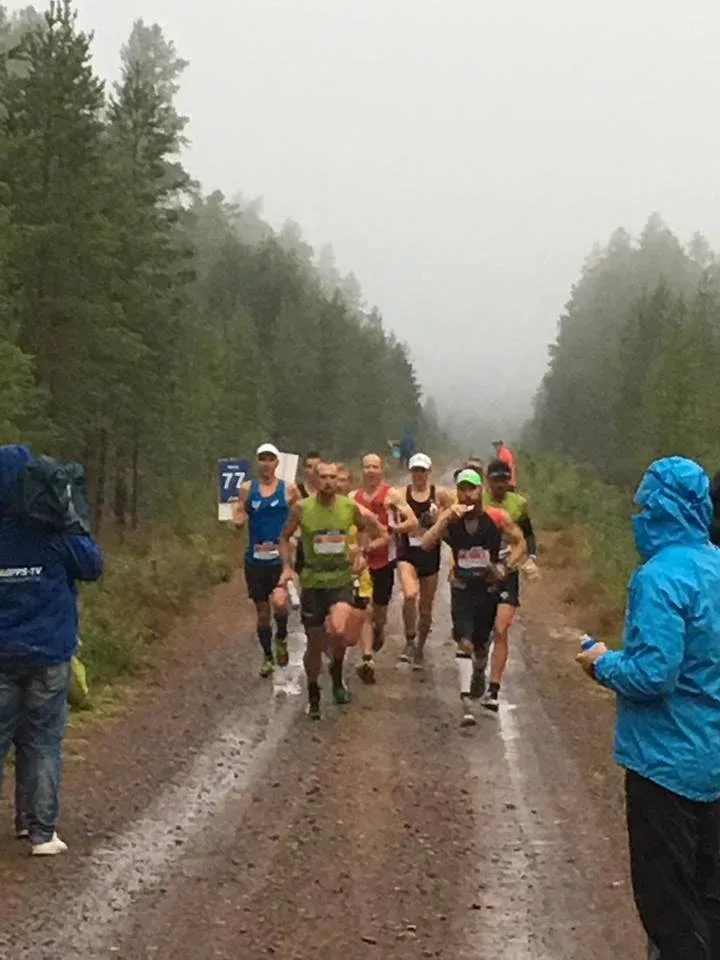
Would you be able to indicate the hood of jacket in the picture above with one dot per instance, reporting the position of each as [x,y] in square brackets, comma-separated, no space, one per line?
[675,506]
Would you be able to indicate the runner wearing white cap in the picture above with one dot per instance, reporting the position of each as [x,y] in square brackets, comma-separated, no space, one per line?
[264,503]
[418,568]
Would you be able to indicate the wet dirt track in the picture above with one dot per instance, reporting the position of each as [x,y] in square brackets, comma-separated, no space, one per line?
[214,821]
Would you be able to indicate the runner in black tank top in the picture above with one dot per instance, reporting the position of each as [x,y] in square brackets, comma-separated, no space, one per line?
[418,568]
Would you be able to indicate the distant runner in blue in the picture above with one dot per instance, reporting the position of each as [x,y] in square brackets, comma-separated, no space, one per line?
[264,505]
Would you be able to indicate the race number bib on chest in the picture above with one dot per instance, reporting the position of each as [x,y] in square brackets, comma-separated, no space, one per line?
[266,551]
[329,543]
[473,560]
[415,541]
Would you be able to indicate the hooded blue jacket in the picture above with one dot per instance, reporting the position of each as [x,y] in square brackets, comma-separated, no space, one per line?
[667,674]
[38,570]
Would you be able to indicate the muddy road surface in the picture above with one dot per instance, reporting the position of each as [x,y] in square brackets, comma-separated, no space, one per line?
[212,819]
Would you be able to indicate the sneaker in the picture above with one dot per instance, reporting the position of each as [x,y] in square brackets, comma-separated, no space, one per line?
[49,849]
[281,651]
[366,670]
[378,638]
[490,701]
[268,668]
[468,717]
[341,696]
[314,704]
[22,833]
[418,659]
[477,685]
[408,654]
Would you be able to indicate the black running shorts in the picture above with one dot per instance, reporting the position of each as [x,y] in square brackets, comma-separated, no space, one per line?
[473,609]
[383,580]
[261,580]
[316,602]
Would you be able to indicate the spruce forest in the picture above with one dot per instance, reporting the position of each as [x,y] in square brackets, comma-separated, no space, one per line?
[146,327]
[633,373]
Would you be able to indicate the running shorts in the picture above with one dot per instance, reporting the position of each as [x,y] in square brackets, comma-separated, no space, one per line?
[316,602]
[261,580]
[383,580]
[426,562]
[473,610]
[509,590]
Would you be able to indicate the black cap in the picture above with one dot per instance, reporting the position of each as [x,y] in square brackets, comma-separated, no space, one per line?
[499,470]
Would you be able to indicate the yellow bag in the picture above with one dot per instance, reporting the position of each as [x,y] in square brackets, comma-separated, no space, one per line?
[78,690]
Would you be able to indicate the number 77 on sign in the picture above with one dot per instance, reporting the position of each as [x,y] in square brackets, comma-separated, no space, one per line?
[231,474]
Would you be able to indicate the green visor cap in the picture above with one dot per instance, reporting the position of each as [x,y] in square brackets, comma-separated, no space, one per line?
[469,476]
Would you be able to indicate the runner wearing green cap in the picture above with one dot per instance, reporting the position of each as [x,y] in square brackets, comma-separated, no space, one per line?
[475,536]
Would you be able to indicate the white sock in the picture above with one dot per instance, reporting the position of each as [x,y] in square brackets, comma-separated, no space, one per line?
[465,671]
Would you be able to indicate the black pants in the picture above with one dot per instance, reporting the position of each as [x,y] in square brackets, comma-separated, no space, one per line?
[675,865]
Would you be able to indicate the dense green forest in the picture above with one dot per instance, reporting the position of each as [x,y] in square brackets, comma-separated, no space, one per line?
[633,373]
[147,328]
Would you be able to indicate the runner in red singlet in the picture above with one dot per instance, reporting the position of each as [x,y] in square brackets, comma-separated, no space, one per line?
[392,511]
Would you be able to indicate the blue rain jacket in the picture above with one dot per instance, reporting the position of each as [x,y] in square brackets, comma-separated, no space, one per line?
[667,674]
[38,570]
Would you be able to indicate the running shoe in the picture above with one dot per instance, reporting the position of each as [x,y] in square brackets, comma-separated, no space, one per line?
[366,669]
[268,667]
[490,701]
[418,658]
[51,848]
[408,654]
[314,703]
[281,651]
[468,716]
[341,696]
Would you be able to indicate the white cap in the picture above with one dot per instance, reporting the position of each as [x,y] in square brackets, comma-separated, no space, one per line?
[420,461]
[268,448]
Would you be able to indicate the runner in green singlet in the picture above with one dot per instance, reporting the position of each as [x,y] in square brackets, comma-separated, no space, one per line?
[325,521]
[499,481]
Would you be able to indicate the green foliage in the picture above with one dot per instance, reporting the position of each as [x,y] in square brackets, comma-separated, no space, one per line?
[147,329]
[633,371]
[565,498]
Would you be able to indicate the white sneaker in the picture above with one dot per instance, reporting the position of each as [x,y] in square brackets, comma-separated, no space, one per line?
[49,849]
[468,718]
[22,834]
[408,654]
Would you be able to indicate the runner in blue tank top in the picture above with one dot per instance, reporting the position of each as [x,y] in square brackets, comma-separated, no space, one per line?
[264,503]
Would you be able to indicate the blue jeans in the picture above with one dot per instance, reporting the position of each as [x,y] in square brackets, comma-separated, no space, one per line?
[33,713]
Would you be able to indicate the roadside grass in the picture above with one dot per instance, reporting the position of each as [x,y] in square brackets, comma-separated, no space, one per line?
[149,579]
[588,535]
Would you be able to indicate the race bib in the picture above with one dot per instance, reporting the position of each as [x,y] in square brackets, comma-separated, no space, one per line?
[329,543]
[266,551]
[472,561]
[415,541]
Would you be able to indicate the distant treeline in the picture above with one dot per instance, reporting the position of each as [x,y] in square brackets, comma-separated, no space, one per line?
[633,373]
[146,328]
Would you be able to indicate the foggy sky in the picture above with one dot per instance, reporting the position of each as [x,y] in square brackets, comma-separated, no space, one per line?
[461,157]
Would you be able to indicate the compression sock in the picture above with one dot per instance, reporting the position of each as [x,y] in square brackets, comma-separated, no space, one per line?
[465,671]
[336,672]
[494,689]
[281,622]
[265,638]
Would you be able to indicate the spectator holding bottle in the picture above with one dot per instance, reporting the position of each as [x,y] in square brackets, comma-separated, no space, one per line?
[667,681]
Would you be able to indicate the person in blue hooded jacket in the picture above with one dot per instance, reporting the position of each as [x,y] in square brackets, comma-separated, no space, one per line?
[667,680]
[38,635]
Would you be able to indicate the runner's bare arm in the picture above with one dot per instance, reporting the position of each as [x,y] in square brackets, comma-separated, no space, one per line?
[293,494]
[368,523]
[408,521]
[286,546]
[445,497]
[515,539]
[437,531]
[239,513]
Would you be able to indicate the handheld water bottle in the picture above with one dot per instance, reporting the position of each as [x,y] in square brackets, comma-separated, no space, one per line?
[586,641]
[293,595]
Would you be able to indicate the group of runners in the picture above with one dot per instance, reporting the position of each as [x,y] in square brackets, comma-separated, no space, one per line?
[346,542]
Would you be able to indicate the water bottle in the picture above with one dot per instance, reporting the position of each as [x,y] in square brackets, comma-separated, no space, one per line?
[586,641]
[293,595]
